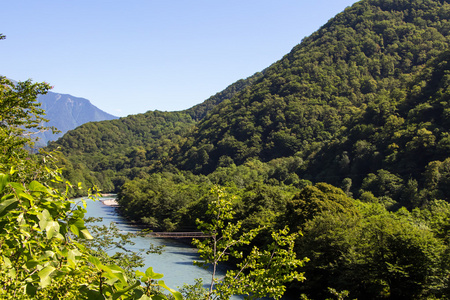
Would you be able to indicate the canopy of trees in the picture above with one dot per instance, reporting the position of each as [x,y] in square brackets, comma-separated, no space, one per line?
[359,102]
[346,139]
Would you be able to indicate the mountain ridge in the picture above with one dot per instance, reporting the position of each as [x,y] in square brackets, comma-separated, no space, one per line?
[346,138]
[328,77]
[66,112]
[305,101]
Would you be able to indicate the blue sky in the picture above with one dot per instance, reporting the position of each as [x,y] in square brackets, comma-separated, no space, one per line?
[128,57]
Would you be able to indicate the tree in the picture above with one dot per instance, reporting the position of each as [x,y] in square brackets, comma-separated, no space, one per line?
[19,113]
[404,259]
[42,255]
[261,273]
[312,200]
[331,242]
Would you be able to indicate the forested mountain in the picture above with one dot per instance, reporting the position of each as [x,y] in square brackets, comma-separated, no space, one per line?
[325,103]
[199,111]
[107,153]
[66,112]
[363,56]
[346,138]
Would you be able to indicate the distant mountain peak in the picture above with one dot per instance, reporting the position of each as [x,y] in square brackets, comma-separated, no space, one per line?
[66,112]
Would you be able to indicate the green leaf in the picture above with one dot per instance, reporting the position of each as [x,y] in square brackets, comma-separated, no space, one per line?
[12,171]
[176,294]
[30,289]
[116,272]
[8,205]
[17,186]
[21,221]
[49,254]
[35,186]
[44,275]
[4,179]
[118,294]
[72,256]
[74,229]
[95,261]
[94,295]
[77,226]
[32,263]
[52,229]
[86,235]
[26,196]
[149,272]
[144,277]
[6,261]
[44,217]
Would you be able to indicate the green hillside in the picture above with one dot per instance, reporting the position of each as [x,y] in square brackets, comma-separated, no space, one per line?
[341,102]
[364,55]
[346,139]
[346,101]
[108,153]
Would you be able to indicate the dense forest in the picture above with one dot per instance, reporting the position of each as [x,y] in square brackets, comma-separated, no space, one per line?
[345,139]
[106,153]
[50,250]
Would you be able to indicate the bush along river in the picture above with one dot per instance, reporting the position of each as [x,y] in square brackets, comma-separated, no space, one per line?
[176,261]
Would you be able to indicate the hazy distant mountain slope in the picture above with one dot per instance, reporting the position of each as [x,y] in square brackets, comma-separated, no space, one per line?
[66,112]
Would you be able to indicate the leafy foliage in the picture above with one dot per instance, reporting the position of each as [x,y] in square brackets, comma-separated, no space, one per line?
[365,92]
[262,272]
[108,153]
[377,253]
[362,104]
[42,254]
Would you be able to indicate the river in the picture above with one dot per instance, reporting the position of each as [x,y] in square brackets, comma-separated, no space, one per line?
[176,260]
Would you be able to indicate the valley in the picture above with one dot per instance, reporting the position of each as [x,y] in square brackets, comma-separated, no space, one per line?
[333,162]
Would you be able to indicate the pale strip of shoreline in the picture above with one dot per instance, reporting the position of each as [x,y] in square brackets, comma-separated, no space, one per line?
[110,202]
[108,195]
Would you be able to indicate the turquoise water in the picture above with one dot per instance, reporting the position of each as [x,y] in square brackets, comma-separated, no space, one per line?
[176,262]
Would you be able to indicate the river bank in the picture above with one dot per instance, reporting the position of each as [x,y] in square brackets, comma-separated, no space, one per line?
[176,261]
[110,202]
